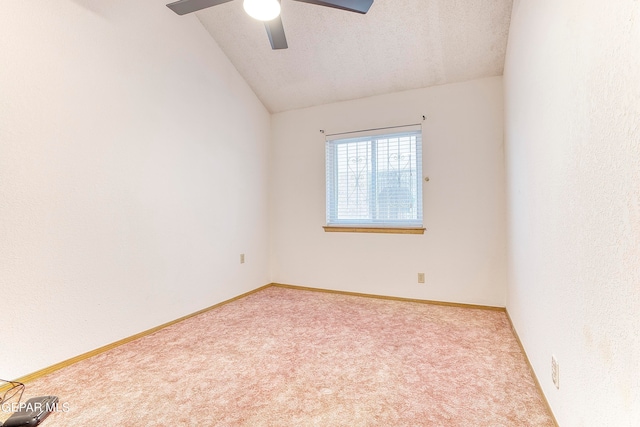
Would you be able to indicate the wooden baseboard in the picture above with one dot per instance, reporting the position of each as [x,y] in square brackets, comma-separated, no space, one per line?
[422,301]
[533,373]
[42,372]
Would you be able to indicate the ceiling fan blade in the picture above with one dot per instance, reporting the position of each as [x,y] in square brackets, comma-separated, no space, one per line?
[359,6]
[275,31]
[183,7]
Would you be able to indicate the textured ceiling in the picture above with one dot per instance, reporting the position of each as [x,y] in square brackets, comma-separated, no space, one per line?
[335,55]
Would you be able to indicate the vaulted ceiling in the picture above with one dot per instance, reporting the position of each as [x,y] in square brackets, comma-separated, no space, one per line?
[335,55]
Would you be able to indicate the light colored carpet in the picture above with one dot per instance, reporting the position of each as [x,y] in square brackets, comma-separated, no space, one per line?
[285,357]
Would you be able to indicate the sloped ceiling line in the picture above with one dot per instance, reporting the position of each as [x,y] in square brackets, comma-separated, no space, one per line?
[335,55]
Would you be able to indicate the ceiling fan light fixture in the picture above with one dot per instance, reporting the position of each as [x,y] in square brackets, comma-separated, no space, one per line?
[262,10]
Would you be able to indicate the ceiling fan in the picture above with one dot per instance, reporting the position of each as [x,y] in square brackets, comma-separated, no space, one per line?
[269,12]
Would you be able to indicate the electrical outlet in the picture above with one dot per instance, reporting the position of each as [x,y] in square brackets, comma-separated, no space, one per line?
[241,258]
[420,277]
[555,372]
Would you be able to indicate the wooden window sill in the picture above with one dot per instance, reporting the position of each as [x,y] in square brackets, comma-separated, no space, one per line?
[386,230]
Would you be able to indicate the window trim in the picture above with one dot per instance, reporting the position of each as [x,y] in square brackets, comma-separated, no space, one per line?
[383,230]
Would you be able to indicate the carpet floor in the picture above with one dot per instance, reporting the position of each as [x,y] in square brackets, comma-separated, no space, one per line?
[288,357]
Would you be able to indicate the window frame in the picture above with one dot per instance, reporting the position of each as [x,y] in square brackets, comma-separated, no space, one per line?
[373,139]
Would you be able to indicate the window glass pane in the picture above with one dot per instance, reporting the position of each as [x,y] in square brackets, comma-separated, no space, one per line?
[353,164]
[396,173]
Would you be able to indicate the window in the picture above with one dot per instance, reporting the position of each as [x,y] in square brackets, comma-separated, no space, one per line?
[374,181]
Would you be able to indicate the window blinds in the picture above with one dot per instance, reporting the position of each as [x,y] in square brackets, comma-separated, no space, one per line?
[374,178]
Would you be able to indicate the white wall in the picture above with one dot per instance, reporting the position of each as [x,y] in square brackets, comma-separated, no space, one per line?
[133,169]
[463,250]
[572,102]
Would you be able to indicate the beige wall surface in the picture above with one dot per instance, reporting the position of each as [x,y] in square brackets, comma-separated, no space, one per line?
[572,102]
[462,253]
[133,170]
